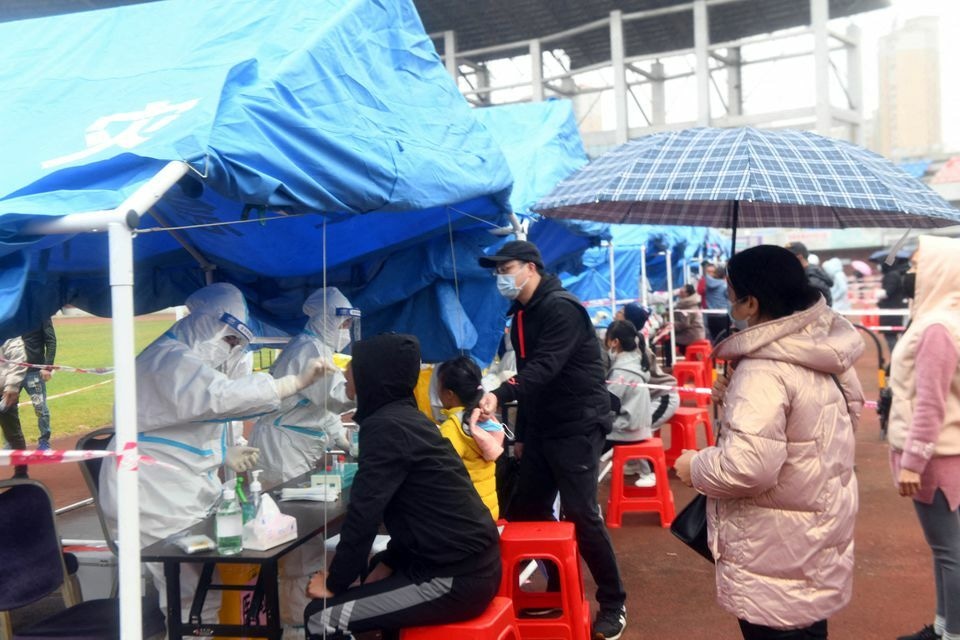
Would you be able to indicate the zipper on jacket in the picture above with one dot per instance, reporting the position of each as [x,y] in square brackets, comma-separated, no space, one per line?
[523,344]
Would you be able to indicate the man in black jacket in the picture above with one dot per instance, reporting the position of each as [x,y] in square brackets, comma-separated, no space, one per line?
[442,564]
[563,409]
[41,348]
[817,277]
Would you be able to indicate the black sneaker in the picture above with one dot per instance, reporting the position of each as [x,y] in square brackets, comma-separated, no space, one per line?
[610,623]
[927,633]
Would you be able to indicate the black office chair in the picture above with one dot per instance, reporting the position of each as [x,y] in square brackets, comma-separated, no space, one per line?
[97,440]
[32,567]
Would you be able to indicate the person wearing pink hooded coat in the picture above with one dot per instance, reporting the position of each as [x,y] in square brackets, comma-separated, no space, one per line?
[781,488]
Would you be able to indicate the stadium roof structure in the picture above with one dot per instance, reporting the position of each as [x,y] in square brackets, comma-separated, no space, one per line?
[480,25]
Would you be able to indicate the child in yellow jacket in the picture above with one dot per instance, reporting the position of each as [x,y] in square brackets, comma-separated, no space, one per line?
[479,445]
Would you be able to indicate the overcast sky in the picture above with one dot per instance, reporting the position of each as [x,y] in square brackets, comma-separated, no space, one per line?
[878,23]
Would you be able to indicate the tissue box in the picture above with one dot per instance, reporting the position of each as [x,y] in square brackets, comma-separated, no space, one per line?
[270,528]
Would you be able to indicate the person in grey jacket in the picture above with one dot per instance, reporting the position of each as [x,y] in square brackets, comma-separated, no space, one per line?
[626,380]
[11,379]
[664,398]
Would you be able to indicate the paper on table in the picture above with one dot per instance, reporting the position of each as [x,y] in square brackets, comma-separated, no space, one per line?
[316,494]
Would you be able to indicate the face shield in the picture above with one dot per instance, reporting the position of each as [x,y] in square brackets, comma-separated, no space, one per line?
[227,345]
[348,324]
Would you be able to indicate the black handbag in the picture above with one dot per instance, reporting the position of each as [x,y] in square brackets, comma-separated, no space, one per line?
[690,526]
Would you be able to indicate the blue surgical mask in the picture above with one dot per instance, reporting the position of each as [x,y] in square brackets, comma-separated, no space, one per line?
[507,285]
[739,325]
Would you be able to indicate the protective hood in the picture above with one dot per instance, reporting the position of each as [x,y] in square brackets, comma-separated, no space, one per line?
[938,273]
[217,299]
[323,320]
[833,267]
[385,369]
[203,333]
[816,338]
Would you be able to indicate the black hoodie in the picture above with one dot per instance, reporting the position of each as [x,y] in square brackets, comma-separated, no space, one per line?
[409,477]
[560,386]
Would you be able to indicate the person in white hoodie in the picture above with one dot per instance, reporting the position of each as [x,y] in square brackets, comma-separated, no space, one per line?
[626,380]
[924,428]
[834,269]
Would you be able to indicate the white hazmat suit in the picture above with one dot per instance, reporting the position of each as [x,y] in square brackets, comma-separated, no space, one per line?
[292,441]
[183,405]
[308,423]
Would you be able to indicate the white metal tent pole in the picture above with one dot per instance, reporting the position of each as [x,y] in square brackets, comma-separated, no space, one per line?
[613,281]
[643,275]
[673,328]
[125,422]
[119,224]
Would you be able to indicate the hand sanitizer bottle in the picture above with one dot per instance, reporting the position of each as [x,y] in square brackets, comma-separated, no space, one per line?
[255,490]
[229,524]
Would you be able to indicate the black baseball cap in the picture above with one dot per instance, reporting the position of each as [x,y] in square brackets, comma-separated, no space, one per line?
[514,250]
[797,249]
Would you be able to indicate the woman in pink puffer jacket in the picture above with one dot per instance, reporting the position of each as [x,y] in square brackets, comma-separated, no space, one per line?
[782,489]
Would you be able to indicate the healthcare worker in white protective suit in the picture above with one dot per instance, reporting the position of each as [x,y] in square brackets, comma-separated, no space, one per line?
[294,440]
[216,299]
[183,405]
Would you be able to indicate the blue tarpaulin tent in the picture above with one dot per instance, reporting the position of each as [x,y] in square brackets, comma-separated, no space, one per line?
[326,132]
[542,144]
[592,283]
[283,111]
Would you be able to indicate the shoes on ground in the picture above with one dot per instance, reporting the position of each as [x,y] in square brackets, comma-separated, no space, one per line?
[43,445]
[927,633]
[646,480]
[610,623]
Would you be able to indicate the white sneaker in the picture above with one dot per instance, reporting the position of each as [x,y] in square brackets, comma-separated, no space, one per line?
[646,480]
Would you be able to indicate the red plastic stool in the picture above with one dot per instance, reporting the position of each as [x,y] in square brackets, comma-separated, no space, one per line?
[700,351]
[690,373]
[627,497]
[683,431]
[557,543]
[496,623]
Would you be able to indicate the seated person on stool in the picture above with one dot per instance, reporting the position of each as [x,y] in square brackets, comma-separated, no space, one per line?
[627,373]
[443,561]
[663,402]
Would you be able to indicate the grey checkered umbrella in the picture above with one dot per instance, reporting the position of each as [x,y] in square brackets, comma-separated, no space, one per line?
[746,178]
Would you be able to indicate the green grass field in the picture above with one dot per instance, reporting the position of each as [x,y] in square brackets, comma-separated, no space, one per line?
[85,343]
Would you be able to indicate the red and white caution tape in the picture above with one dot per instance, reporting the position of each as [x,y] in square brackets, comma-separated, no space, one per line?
[98,371]
[17,457]
[664,387]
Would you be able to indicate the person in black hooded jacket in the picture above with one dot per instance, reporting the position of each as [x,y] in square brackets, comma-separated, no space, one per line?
[442,564]
[563,415]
